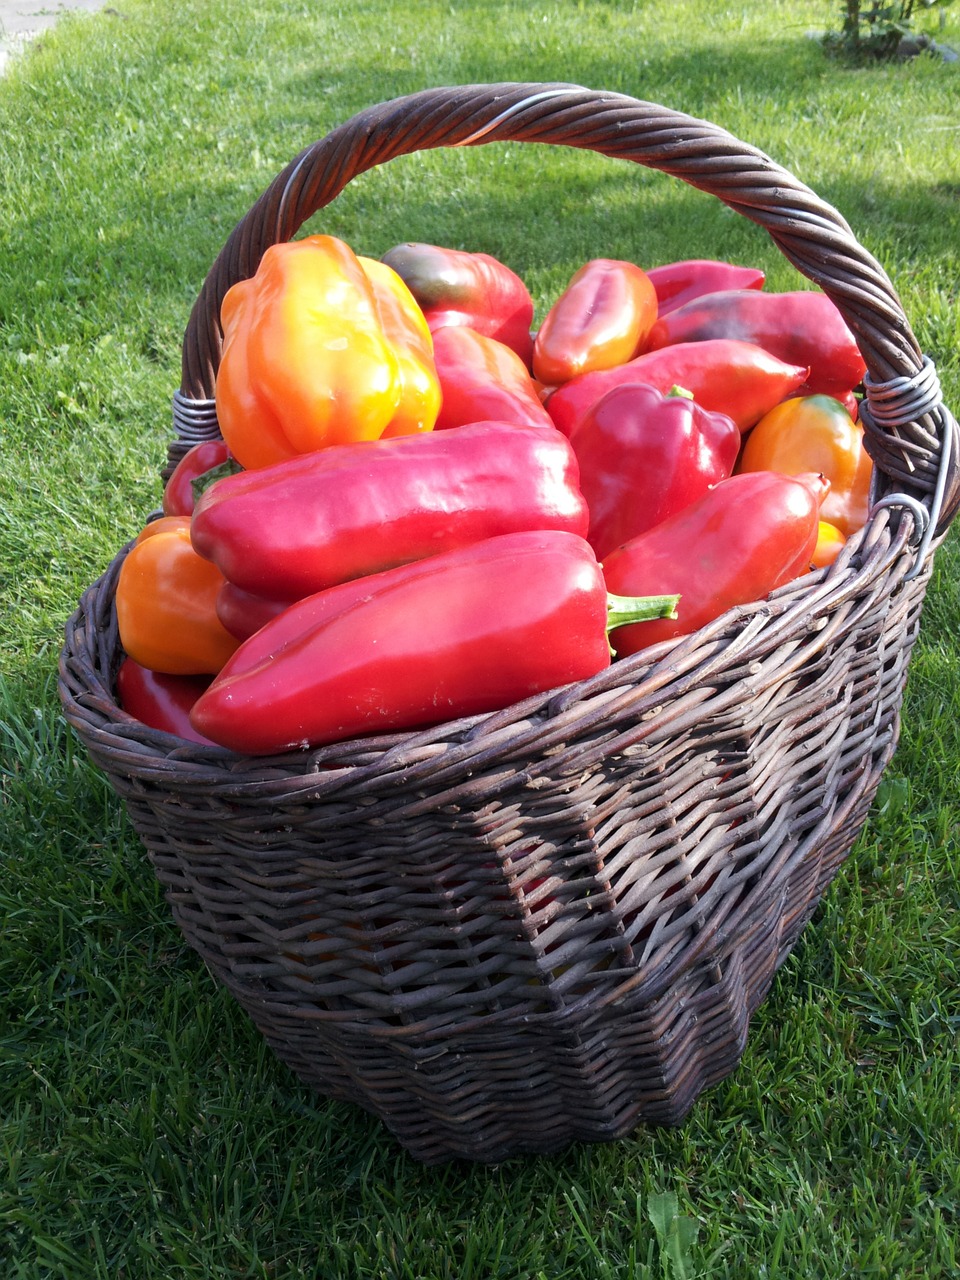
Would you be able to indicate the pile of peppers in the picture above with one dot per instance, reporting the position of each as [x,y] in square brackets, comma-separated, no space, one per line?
[424,507]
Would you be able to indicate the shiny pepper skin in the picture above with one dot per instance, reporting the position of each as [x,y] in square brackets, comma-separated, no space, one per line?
[601,319]
[456,288]
[404,325]
[677,283]
[306,362]
[458,634]
[310,522]
[802,327]
[166,602]
[816,433]
[178,495]
[483,380]
[644,456]
[746,536]
[723,375]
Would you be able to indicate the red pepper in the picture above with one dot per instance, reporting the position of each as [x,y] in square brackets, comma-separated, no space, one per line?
[644,456]
[458,634]
[803,327]
[456,288]
[483,380]
[600,320]
[677,283]
[739,379]
[160,701]
[736,544]
[321,518]
[178,494]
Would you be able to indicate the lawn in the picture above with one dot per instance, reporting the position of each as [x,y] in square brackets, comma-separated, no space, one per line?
[146,1132]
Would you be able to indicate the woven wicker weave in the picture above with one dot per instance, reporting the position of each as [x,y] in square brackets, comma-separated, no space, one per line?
[552,923]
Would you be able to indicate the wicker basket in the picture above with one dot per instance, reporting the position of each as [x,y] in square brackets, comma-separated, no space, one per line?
[552,923]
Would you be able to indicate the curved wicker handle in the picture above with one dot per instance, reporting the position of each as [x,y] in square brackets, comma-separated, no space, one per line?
[810,234]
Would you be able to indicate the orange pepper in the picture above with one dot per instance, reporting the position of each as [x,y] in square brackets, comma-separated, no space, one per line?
[601,320]
[166,603]
[816,433]
[305,360]
[406,327]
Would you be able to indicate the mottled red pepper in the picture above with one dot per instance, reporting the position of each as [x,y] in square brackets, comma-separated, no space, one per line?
[601,319]
[454,288]
[803,327]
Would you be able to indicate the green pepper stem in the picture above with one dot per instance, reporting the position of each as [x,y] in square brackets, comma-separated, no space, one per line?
[622,610]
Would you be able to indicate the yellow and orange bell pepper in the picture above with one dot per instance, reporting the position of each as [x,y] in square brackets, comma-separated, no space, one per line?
[306,362]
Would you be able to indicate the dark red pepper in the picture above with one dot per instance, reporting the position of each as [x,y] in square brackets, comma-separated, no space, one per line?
[458,634]
[311,521]
[676,283]
[723,375]
[483,380]
[803,327]
[644,456]
[454,287]
[179,497]
[736,544]
[160,701]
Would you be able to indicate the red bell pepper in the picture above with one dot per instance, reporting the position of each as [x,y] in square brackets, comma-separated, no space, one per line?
[644,456]
[736,544]
[179,498]
[309,522]
[458,634]
[677,283]
[723,375]
[483,380]
[160,701]
[802,327]
[600,320]
[454,287]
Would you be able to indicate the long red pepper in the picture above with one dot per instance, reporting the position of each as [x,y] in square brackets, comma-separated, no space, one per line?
[723,375]
[743,538]
[676,283]
[801,327]
[458,634]
[320,518]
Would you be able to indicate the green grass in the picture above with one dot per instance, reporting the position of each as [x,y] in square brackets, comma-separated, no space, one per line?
[146,1132]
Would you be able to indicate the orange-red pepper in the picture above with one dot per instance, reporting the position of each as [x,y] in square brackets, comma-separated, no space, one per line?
[815,433]
[166,603]
[600,320]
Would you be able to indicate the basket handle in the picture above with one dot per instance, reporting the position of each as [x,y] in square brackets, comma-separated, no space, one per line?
[910,433]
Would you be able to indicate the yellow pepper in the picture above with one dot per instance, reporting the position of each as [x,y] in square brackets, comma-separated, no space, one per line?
[166,603]
[305,360]
[406,327]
